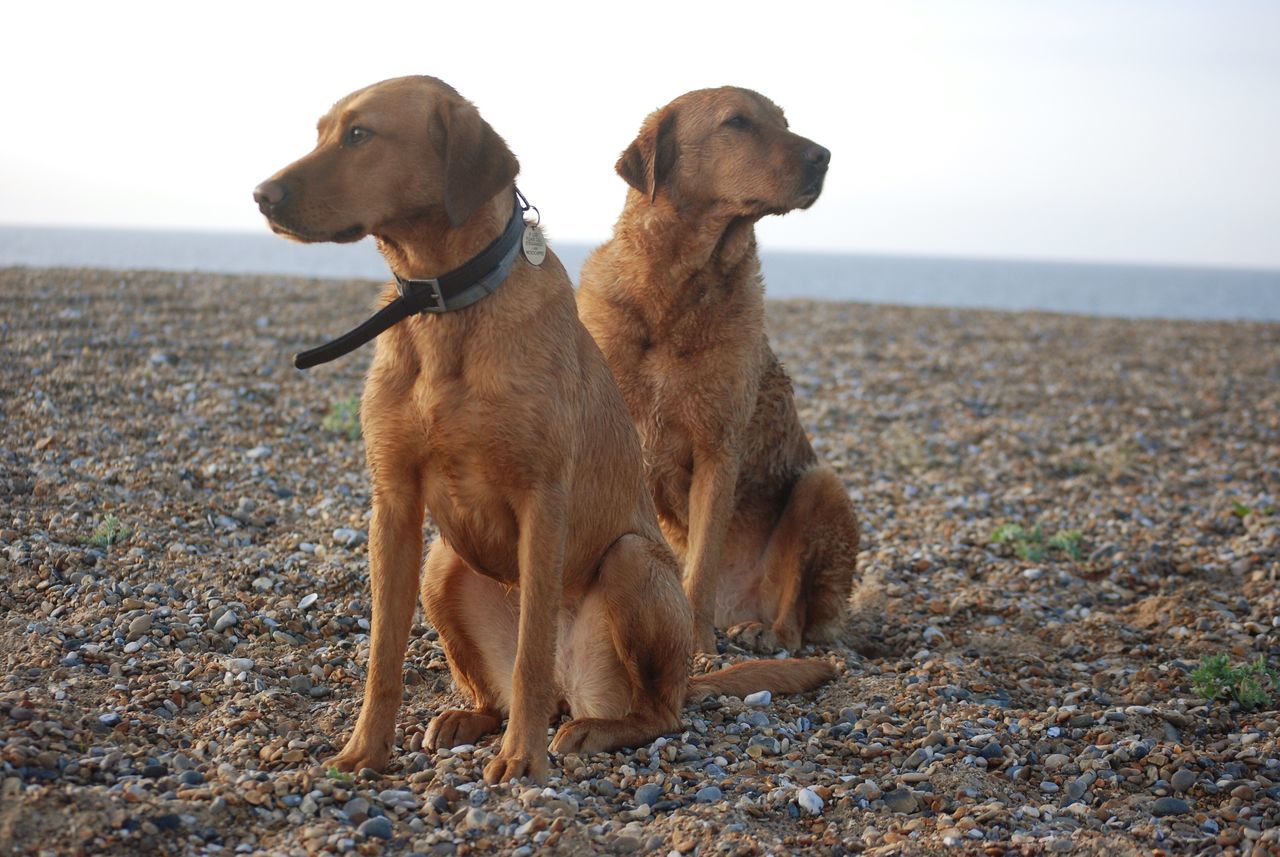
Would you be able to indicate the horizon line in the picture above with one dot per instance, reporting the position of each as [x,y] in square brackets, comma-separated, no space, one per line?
[1014,258]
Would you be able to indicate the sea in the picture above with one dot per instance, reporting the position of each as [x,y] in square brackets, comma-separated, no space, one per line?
[1138,291]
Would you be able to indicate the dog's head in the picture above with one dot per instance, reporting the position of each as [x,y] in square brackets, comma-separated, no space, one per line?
[726,147]
[390,153]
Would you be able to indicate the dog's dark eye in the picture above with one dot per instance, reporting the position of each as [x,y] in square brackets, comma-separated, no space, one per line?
[739,121]
[356,135]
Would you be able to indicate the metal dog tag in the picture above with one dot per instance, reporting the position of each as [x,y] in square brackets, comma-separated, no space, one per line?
[534,245]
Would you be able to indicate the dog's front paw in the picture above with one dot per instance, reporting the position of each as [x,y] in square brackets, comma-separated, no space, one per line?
[584,736]
[450,728]
[505,768]
[704,638]
[754,637]
[362,753]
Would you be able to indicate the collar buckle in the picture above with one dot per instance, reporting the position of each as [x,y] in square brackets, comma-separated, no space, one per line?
[424,295]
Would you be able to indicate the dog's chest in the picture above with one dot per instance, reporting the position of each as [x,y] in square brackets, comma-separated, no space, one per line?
[467,480]
[680,393]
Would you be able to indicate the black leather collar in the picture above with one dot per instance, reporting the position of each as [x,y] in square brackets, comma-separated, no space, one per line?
[475,279]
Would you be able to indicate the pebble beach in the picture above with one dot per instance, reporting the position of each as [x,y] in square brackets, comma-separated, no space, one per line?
[1063,517]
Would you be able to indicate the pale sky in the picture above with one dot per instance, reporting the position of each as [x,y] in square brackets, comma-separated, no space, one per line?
[1087,130]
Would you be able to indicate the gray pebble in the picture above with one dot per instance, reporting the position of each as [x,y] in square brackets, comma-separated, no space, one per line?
[356,808]
[378,827]
[1169,806]
[1076,788]
[901,800]
[648,794]
[708,794]
[398,797]
[1183,780]
[348,537]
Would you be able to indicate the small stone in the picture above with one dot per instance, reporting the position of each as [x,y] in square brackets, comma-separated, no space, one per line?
[810,801]
[625,844]
[109,719]
[348,537]
[167,821]
[378,827]
[867,790]
[708,794]
[308,600]
[20,713]
[759,699]
[225,621]
[356,809]
[648,794]
[140,626]
[398,798]
[1183,780]
[901,800]
[1169,806]
[1076,788]
[916,759]
[240,665]
[1055,761]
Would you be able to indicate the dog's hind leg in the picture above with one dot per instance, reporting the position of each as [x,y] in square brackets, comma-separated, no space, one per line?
[809,566]
[630,691]
[476,620]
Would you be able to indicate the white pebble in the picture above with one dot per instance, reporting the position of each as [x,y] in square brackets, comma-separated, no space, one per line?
[759,699]
[810,801]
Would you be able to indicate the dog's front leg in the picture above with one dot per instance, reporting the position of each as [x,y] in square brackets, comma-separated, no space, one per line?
[395,559]
[711,496]
[541,557]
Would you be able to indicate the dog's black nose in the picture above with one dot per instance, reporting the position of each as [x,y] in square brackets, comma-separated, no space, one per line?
[817,156]
[268,194]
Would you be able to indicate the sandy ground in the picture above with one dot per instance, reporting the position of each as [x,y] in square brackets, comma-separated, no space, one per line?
[184,609]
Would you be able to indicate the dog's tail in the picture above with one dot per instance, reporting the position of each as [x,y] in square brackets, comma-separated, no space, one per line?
[785,675]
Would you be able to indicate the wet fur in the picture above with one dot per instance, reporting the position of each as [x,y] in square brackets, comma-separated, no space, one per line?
[766,533]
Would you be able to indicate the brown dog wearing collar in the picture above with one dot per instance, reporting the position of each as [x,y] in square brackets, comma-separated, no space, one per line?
[550,584]
[675,300]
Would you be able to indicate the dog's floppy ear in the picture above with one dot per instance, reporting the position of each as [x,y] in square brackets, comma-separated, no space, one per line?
[647,162]
[477,162]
